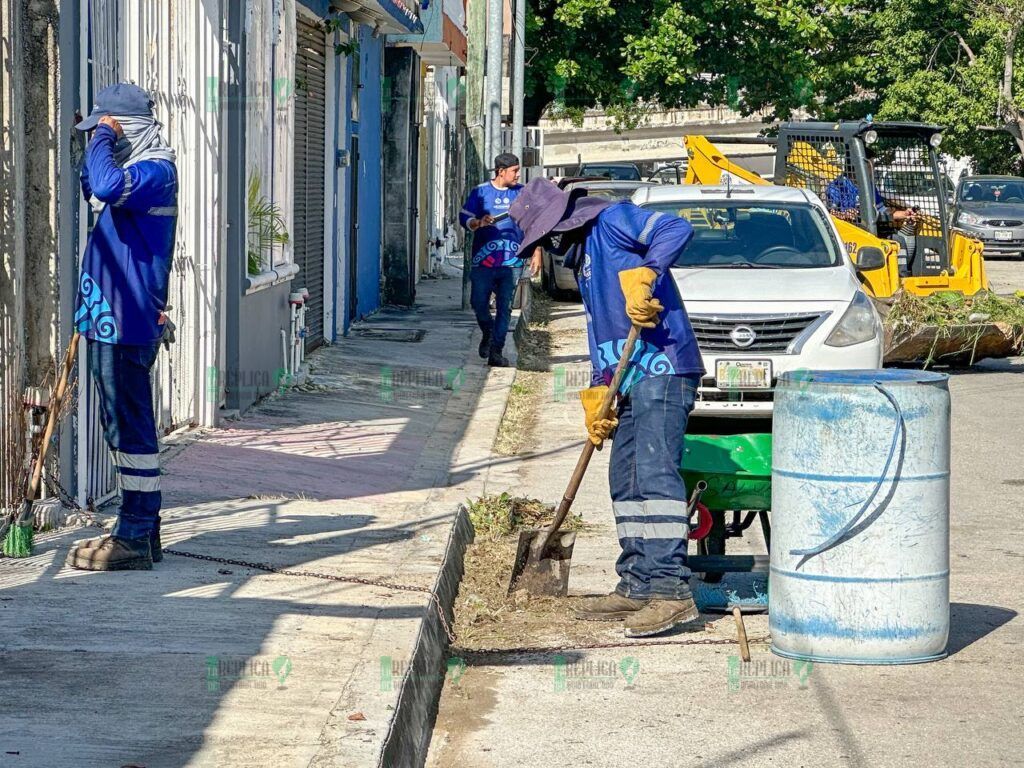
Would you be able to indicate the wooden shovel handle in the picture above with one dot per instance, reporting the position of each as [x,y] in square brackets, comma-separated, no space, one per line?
[52,414]
[588,448]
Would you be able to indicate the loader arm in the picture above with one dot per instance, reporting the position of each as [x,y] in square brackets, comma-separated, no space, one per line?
[707,165]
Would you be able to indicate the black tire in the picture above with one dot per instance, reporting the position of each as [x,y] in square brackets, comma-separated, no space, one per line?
[713,544]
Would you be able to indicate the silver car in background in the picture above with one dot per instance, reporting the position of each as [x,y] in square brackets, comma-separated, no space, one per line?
[557,280]
[991,208]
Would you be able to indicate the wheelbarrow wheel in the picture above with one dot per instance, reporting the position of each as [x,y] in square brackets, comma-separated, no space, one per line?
[713,544]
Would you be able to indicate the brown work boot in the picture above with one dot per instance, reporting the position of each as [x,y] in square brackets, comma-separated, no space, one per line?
[660,616]
[155,547]
[613,607]
[112,554]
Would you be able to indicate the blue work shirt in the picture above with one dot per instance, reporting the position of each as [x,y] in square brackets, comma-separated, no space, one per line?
[625,236]
[498,244]
[842,195]
[122,290]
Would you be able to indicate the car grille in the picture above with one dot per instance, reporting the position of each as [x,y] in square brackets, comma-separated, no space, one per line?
[772,333]
[1004,222]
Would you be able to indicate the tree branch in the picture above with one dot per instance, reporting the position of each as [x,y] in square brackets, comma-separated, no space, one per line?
[963,44]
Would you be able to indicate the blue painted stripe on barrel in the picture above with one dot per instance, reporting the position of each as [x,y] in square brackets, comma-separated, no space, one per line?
[828,627]
[862,377]
[860,579]
[855,478]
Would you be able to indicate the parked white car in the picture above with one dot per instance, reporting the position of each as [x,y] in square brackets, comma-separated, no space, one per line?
[769,288]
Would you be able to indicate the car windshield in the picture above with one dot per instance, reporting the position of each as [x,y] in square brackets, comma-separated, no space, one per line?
[617,172]
[736,234]
[992,191]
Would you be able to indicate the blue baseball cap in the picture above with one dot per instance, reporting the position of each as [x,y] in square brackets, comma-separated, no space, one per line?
[118,99]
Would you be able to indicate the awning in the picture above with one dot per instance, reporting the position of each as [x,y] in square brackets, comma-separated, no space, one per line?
[392,16]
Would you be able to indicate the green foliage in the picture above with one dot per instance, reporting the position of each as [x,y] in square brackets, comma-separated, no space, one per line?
[928,60]
[266,227]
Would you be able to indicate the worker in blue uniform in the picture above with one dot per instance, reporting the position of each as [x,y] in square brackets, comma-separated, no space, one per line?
[622,254]
[129,177]
[496,255]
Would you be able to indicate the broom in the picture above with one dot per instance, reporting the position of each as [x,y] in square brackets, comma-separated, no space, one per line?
[18,526]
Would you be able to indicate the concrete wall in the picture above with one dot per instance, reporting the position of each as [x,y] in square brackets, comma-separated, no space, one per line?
[263,316]
[401,158]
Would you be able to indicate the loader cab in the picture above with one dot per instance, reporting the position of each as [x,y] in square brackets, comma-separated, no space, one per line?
[875,175]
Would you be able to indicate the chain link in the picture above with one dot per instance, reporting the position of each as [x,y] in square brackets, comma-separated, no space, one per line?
[596,646]
[327,577]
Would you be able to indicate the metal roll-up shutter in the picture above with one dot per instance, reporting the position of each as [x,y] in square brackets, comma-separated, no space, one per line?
[310,135]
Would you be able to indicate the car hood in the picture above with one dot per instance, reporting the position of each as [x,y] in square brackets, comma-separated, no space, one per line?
[760,285]
[991,210]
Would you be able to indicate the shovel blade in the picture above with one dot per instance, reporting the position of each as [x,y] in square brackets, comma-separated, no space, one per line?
[543,572]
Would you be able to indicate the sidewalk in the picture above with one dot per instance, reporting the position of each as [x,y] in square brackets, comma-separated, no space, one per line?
[209,664]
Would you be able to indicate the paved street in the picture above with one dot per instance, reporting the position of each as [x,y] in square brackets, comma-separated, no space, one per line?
[693,705]
[1005,275]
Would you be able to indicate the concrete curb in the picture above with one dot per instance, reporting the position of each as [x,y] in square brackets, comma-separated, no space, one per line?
[408,736]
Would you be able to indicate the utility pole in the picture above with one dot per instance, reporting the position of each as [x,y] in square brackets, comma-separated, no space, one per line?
[492,82]
[518,74]
[476,40]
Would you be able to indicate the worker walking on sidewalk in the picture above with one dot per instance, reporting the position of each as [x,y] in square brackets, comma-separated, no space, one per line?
[621,254]
[496,255]
[130,179]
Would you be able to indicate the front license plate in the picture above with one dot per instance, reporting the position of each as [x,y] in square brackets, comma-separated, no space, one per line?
[1004,234]
[743,374]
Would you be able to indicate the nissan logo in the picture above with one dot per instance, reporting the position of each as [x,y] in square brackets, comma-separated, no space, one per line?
[742,336]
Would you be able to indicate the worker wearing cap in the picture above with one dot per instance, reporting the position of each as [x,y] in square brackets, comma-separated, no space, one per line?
[130,180]
[496,256]
[621,254]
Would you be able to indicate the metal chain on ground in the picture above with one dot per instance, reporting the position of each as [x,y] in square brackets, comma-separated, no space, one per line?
[327,577]
[62,493]
[596,646]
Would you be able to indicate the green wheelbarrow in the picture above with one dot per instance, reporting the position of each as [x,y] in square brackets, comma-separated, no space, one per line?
[737,471]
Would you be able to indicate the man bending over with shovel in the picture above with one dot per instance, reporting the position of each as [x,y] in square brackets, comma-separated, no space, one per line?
[621,254]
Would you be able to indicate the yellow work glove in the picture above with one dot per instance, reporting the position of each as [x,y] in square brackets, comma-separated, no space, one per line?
[597,428]
[637,286]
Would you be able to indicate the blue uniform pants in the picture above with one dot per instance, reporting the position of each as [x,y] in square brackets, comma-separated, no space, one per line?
[500,281]
[648,493]
[121,373]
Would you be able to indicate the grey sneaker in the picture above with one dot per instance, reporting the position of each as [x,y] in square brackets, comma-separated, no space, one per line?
[661,616]
[613,607]
[155,547]
[112,554]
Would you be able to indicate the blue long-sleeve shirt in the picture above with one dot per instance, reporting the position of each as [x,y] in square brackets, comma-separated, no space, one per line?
[127,262]
[625,236]
[498,244]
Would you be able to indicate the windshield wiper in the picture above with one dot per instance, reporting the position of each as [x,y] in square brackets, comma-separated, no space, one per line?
[737,265]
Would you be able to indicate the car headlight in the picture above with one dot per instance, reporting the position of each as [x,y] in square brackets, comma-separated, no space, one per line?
[966,217]
[858,324]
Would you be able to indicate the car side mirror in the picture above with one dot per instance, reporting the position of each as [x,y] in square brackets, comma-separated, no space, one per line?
[869,257]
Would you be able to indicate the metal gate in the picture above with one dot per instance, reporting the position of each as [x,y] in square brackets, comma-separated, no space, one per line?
[173,50]
[310,136]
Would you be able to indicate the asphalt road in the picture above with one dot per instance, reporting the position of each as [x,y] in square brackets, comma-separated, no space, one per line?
[1005,275]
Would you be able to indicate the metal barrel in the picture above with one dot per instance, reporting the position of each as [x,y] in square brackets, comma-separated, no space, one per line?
[859,564]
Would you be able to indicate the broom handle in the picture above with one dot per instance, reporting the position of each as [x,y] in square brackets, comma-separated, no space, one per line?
[52,413]
[588,448]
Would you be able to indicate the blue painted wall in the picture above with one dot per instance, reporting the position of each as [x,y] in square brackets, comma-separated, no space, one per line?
[371,55]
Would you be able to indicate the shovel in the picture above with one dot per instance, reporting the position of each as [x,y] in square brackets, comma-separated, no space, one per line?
[542,559]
